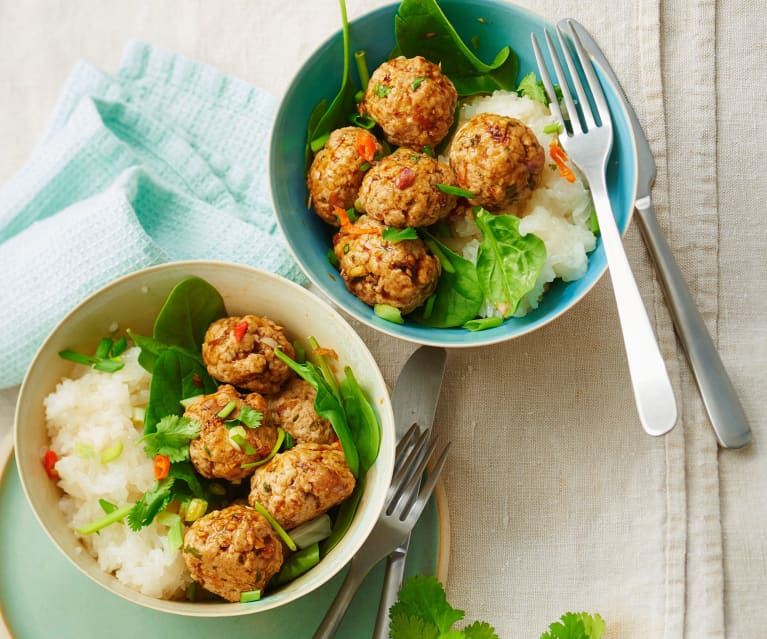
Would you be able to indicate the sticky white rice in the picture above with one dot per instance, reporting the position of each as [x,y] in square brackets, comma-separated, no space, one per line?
[85,416]
[558,211]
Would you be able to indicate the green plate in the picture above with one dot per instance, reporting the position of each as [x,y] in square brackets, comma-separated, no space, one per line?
[43,595]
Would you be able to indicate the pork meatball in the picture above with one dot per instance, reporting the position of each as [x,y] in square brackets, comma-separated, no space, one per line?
[213,453]
[412,101]
[402,274]
[497,158]
[232,551]
[338,168]
[293,410]
[240,351]
[302,483]
[401,190]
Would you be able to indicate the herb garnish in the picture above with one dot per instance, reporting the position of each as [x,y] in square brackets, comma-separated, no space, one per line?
[105,359]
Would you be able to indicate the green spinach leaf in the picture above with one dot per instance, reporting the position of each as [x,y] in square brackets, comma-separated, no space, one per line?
[458,297]
[362,419]
[421,28]
[508,263]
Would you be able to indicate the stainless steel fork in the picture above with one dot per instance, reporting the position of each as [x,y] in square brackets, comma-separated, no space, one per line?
[405,502]
[588,142]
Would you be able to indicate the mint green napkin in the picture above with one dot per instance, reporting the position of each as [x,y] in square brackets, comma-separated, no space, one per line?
[164,161]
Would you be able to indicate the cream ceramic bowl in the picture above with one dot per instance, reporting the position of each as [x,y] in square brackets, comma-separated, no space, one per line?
[133,302]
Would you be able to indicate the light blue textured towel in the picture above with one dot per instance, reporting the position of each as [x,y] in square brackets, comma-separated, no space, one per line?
[165,161]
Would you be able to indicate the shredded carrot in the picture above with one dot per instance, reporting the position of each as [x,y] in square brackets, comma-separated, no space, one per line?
[239,330]
[559,156]
[49,463]
[366,146]
[329,352]
[161,466]
[348,228]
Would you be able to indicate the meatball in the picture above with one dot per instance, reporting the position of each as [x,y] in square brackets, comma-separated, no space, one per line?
[402,274]
[338,168]
[497,158]
[232,551]
[302,483]
[240,351]
[293,410]
[412,101]
[213,453]
[401,190]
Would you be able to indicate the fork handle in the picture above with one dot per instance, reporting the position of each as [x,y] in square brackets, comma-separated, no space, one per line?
[649,378]
[358,570]
[719,397]
[395,571]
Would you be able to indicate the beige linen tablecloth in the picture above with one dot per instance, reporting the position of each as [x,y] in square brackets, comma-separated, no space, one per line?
[557,499]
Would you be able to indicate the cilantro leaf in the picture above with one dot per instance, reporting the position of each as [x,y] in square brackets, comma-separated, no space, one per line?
[480,630]
[403,626]
[424,598]
[171,438]
[151,503]
[580,625]
[394,235]
[247,416]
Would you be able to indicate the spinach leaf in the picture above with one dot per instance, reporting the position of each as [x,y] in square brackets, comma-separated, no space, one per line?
[421,28]
[150,349]
[508,263]
[297,564]
[363,422]
[176,375]
[327,405]
[191,307]
[342,105]
[458,297]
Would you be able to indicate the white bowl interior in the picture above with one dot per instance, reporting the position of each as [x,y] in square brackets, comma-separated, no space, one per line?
[133,302]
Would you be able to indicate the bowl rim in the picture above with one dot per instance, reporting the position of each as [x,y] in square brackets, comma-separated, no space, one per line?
[383,466]
[480,338]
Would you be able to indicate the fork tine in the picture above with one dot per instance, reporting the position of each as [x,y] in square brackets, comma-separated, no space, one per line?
[410,459]
[572,110]
[403,447]
[575,78]
[416,506]
[591,76]
[546,79]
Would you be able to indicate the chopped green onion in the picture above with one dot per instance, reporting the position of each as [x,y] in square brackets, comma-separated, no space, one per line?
[365,166]
[417,83]
[118,514]
[277,528]
[110,453]
[382,90]
[237,434]
[119,346]
[593,222]
[389,313]
[324,366]
[272,453]
[85,451]
[362,121]
[483,323]
[300,350]
[195,509]
[250,596]
[108,365]
[332,258]
[102,350]
[226,410]
[553,128]
[352,214]
[318,143]
[455,190]
[394,235]
[428,150]
[362,68]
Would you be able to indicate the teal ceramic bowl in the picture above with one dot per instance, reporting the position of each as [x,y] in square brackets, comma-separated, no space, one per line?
[309,237]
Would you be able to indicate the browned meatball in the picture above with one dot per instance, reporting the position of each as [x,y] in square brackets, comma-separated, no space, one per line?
[213,453]
[402,274]
[301,483]
[232,551]
[401,190]
[338,168]
[293,410]
[497,158]
[240,351]
[412,101]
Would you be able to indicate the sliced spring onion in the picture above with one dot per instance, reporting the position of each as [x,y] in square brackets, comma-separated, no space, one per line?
[553,128]
[237,434]
[188,401]
[110,453]
[277,528]
[137,414]
[195,509]
[299,347]
[318,143]
[249,596]
[388,313]
[483,323]
[362,121]
[313,531]
[333,259]
[85,451]
[330,378]
[118,514]
[362,68]
[455,190]
[272,453]
[227,410]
